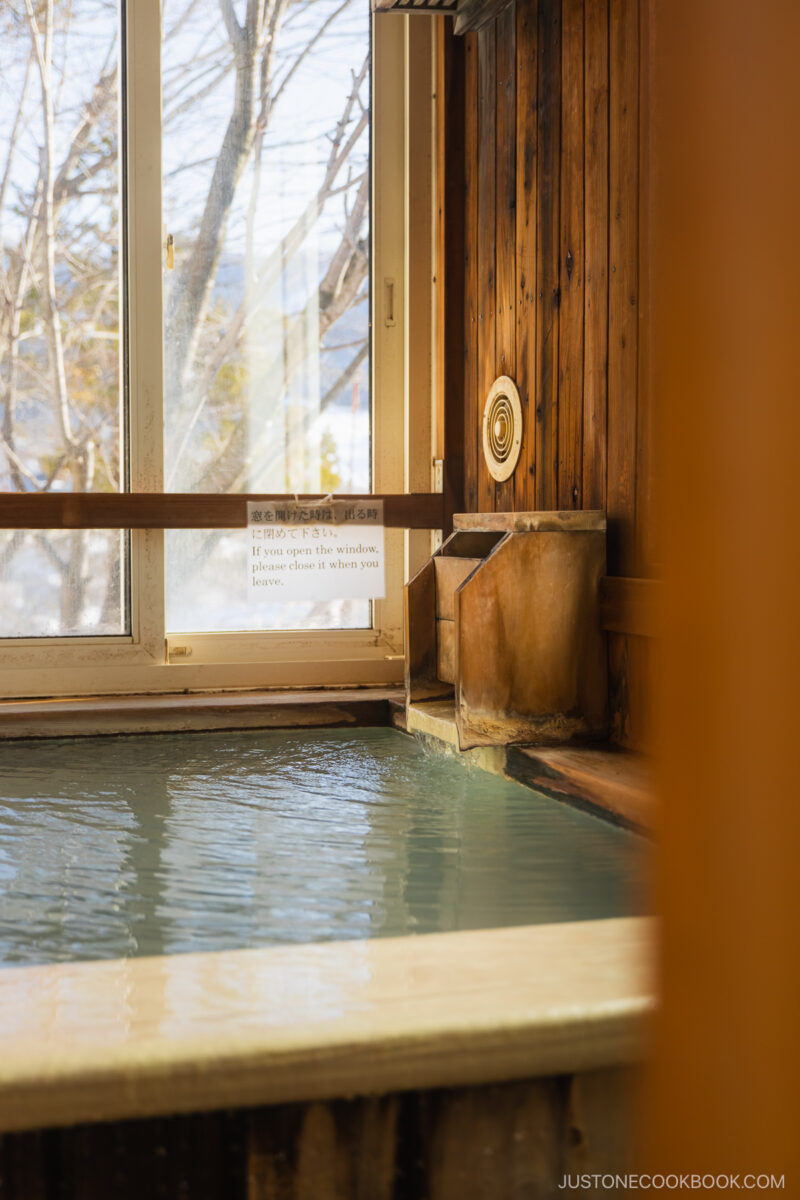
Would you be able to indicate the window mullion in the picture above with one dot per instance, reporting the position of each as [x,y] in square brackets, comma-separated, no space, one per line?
[145,360]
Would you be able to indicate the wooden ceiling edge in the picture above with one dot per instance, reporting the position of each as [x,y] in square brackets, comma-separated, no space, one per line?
[473,15]
[425,8]
[470,15]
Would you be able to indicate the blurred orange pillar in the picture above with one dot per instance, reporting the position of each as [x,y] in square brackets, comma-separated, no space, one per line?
[723,131]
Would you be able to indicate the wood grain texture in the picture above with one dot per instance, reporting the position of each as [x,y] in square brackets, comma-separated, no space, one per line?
[421,678]
[643,670]
[445,651]
[443,98]
[175,510]
[615,781]
[505,362]
[527,105]
[470,400]
[623,283]
[602,1108]
[548,295]
[633,666]
[473,15]
[581,365]
[572,260]
[529,522]
[595,362]
[450,574]
[647,550]
[89,716]
[530,612]
[133,1038]
[510,1141]
[630,606]
[487,241]
[454,336]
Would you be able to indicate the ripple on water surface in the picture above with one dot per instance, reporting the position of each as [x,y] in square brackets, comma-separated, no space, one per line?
[169,843]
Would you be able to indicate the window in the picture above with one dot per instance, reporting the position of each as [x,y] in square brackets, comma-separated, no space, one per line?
[61,352]
[266,307]
[186,248]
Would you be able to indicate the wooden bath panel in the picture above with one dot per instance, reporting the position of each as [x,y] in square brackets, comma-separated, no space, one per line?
[135,1038]
[496,1142]
[450,574]
[446,651]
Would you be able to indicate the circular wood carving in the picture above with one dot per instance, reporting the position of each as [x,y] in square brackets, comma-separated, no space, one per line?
[502,428]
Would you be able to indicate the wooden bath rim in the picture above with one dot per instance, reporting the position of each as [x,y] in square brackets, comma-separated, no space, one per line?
[133,1038]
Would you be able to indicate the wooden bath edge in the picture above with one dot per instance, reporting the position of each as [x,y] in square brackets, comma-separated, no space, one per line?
[131,1038]
[609,781]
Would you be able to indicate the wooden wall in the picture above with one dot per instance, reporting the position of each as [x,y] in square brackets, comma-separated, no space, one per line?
[509,1141]
[553,204]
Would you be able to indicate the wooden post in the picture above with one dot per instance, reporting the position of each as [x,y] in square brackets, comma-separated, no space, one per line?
[725,107]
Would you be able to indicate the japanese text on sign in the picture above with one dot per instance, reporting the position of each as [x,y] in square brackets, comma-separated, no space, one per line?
[322,550]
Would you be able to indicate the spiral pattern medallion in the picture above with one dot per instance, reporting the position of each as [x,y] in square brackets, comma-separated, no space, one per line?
[502,428]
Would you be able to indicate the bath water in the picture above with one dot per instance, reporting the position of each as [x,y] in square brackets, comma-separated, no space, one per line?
[162,844]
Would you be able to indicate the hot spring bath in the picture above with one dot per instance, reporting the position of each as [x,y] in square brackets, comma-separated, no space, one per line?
[118,847]
[257,899]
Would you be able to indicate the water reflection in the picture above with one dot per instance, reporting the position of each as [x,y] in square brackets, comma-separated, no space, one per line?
[173,843]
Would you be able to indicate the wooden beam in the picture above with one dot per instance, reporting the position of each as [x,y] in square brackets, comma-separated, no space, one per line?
[629,606]
[472,15]
[155,510]
[433,7]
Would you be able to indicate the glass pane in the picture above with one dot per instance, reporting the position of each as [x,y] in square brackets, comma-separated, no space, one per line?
[60,247]
[62,583]
[266,198]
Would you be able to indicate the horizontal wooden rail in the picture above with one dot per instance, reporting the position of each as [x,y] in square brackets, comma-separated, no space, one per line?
[630,606]
[181,510]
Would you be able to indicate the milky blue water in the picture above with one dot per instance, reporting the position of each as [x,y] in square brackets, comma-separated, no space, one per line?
[162,844]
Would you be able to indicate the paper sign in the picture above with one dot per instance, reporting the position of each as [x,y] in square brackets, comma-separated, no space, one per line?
[318,550]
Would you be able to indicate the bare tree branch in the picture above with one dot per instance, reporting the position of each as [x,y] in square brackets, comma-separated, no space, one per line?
[12,142]
[285,249]
[304,53]
[43,50]
[236,34]
[185,315]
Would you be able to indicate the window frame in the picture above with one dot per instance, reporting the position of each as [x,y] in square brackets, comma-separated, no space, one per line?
[150,660]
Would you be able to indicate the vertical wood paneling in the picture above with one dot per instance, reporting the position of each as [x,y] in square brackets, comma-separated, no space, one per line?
[470,339]
[443,54]
[337,1149]
[485,1142]
[624,653]
[487,239]
[548,247]
[452,312]
[514,1145]
[623,282]
[526,133]
[570,337]
[595,360]
[647,552]
[505,210]
[574,158]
